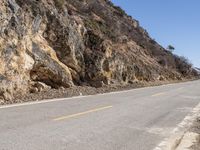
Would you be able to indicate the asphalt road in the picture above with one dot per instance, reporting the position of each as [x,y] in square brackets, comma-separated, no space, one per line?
[131,120]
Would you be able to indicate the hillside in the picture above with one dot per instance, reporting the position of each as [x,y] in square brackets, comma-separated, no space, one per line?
[65,43]
[197,69]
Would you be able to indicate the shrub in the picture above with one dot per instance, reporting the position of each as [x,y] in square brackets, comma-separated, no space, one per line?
[119,10]
[59,3]
[183,65]
[153,41]
[109,3]
[99,26]
[93,41]
[170,48]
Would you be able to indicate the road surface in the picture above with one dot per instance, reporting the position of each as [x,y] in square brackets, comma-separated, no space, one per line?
[131,120]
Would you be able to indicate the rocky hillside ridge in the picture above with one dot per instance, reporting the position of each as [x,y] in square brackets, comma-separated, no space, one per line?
[63,43]
[197,69]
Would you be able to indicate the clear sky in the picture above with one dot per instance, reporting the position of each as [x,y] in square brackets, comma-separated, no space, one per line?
[174,22]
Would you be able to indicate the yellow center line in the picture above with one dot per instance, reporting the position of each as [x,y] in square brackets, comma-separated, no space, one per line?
[158,94]
[81,113]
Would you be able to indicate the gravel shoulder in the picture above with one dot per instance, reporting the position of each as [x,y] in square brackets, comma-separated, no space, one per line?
[189,138]
[196,129]
[81,90]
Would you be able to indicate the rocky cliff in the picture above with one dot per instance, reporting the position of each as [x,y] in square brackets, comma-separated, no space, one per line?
[64,43]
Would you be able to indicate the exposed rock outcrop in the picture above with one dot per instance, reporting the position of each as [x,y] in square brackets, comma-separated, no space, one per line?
[62,43]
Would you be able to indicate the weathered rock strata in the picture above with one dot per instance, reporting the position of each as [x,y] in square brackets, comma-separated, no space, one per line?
[62,43]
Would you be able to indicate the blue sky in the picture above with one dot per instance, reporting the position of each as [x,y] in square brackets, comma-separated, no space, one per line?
[175,22]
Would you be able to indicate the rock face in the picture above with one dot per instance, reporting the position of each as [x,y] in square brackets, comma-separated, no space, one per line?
[62,43]
[198,70]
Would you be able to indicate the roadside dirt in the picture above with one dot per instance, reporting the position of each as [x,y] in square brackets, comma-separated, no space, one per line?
[196,129]
[70,92]
[79,91]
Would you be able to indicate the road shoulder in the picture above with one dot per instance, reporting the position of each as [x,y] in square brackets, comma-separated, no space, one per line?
[186,136]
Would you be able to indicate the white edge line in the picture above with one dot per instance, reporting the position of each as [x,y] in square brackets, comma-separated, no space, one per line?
[40,102]
[179,130]
[78,97]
